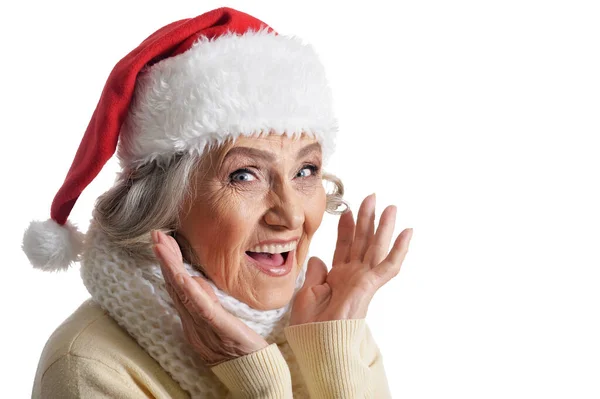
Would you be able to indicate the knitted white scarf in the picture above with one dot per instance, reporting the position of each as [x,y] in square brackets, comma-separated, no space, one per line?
[135,296]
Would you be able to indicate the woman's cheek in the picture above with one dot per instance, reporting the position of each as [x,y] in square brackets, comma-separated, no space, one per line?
[230,269]
[316,210]
[221,264]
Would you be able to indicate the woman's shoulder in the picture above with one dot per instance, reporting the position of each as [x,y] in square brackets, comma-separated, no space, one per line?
[88,333]
[90,351]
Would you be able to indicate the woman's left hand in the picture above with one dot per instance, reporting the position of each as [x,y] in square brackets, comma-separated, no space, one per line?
[360,267]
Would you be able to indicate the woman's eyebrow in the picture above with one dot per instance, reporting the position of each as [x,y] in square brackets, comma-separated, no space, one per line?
[308,149]
[266,155]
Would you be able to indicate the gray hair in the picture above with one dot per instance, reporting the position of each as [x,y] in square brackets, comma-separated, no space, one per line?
[151,197]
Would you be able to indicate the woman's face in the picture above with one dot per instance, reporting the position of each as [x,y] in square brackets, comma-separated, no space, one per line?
[256,208]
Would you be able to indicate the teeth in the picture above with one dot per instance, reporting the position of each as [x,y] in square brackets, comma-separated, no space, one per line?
[275,248]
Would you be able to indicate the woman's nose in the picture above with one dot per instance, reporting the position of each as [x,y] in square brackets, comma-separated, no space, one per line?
[286,208]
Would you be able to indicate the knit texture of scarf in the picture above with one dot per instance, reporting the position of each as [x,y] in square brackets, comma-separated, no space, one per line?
[135,296]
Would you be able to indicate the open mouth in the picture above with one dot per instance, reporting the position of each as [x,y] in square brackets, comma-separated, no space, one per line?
[269,259]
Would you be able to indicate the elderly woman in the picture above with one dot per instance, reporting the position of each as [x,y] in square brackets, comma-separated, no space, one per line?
[196,258]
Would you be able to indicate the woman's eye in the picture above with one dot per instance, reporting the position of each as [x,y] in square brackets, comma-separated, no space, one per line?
[307,171]
[246,175]
[241,175]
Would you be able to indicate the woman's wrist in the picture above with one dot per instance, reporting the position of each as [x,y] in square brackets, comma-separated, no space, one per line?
[324,333]
[329,356]
[263,373]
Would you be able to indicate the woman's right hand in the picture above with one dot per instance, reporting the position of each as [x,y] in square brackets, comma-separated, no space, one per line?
[215,334]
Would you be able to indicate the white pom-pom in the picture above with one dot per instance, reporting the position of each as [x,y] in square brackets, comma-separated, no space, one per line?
[50,246]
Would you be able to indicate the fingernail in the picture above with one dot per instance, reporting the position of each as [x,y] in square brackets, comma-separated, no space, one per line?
[153,236]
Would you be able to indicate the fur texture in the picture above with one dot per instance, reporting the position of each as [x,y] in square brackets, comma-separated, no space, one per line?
[234,85]
[50,246]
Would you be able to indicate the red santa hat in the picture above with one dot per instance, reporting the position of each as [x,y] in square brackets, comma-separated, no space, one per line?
[192,83]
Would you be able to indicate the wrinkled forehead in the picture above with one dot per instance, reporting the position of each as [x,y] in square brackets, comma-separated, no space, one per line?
[270,146]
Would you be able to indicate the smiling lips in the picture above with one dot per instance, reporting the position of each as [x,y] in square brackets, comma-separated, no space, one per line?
[276,266]
[275,247]
[273,258]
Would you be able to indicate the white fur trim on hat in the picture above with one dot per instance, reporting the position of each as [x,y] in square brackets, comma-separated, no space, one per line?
[258,82]
[50,246]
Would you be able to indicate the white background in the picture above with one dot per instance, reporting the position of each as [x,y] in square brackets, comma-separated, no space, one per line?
[478,119]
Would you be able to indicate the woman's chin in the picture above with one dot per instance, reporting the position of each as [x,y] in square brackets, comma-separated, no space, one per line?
[274,293]
[270,289]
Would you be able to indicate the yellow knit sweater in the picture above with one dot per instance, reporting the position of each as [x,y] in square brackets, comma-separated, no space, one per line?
[90,356]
